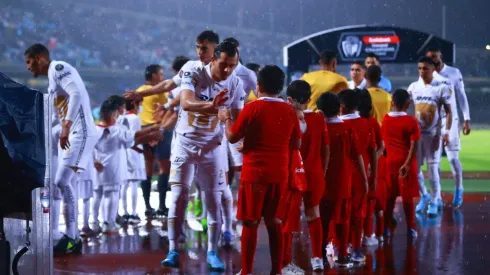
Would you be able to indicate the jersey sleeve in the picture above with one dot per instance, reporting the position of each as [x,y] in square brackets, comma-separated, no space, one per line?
[322,125]
[189,79]
[242,122]
[65,78]
[239,94]
[461,96]
[126,137]
[354,145]
[177,79]
[445,95]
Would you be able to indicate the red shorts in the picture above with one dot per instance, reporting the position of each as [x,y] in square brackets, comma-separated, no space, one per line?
[314,197]
[257,200]
[291,220]
[338,211]
[359,204]
[407,187]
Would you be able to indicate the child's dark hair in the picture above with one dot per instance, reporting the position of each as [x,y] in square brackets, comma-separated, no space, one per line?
[349,98]
[107,109]
[117,100]
[365,103]
[300,91]
[329,104]
[130,105]
[400,97]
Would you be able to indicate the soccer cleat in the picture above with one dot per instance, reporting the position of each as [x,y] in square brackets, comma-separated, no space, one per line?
[227,238]
[172,259]
[134,219]
[370,241]
[440,204]
[86,232]
[433,210]
[412,233]
[344,262]
[458,198]
[424,200]
[380,239]
[292,269]
[214,262]
[68,245]
[161,213]
[317,264]
[126,218]
[358,256]
[106,228]
[150,213]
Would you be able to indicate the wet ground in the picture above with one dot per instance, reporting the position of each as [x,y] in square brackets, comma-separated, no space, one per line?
[456,242]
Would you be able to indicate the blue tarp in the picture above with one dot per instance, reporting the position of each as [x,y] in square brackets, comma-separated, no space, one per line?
[22,146]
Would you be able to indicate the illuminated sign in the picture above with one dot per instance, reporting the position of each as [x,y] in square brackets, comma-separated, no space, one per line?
[355,46]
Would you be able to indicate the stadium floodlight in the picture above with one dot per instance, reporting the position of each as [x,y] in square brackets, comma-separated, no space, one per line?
[487,47]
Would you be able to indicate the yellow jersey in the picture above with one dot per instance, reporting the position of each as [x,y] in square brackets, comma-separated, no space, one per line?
[148,104]
[381,103]
[321,82]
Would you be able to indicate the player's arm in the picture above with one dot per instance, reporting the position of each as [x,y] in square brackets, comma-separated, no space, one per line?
[342,85]
[238,100]
[445,96]
[325,147]
[235,131]
[462,100]
[414,143]
[188,101]
[373,158]
[169,119]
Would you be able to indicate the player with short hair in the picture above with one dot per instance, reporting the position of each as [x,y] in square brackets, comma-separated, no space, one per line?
[357,74]
[78,133]
[267,141]
[458,97]
[197,152]
[429,96]
[325,79]
[401,134]
[381,99]
[349,101]
[315,151]
[384,83]
[345,158]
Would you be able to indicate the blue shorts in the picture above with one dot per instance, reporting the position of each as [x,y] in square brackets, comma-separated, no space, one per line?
[161,151]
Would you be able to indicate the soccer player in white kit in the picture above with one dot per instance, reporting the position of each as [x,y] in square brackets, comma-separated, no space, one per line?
[458,95]
[197,151]
[78,134]
[429,96]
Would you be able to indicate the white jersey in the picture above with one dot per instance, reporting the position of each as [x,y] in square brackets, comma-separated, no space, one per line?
[454,75]
[135,160]
[109,150]
[452,99]
[248,78]
[428,101]
[189,64]
[72,100]
[352,84]
[123,122]
[172,95]
[89,173]
[205,129]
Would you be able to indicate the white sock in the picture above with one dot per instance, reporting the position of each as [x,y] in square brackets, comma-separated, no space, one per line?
[456,168]
[422,188]
[213,203]
[114,205]
[55,218]
[204,206]
[124,197]
[227,201]
[134,196]
[96,205]
[106,205]
[435,182]
[64,177]
[86,212]
[176,214]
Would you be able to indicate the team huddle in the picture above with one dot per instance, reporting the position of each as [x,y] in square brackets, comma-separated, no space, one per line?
[339,151]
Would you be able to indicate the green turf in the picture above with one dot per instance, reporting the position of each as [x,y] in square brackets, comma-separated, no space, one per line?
[475,152]
[470,186]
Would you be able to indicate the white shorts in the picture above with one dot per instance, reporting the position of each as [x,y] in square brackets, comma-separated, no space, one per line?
[80,151]
[85,189]
[107,187]
[57,195]
[190,162]
[426,153]
[454,138]
[235,157]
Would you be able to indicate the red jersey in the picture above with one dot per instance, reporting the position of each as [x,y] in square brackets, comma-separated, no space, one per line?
[374,125]
[366,143]
[267,125]
[343,150]
[398,131]
[312,141]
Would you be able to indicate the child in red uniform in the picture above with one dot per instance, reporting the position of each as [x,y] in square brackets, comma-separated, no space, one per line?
[401,134]
[345,158]
[315,154]
[270,129]
[367,148]
[376,200]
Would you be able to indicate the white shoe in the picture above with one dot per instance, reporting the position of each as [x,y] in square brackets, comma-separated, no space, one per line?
[330,250]
[317,264]
[292,269]
[380,239]
[195,225]
[370,241]
[106,228]
[239,229]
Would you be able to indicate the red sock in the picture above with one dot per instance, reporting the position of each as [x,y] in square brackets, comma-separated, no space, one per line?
[316,232]
[276,242]
[249,244]
[342,238]
[356,234]
[380,224]
[288,246]
[409,208]
[369,220]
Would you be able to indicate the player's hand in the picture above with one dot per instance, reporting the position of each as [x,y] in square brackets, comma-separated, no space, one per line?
[155,137]
[436,143]
[221,98]
[159,112]
[133,95]
[466,127]
[445,140]
[403,172]
[224,114]
[98,166]
[239,147]
[65,133]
